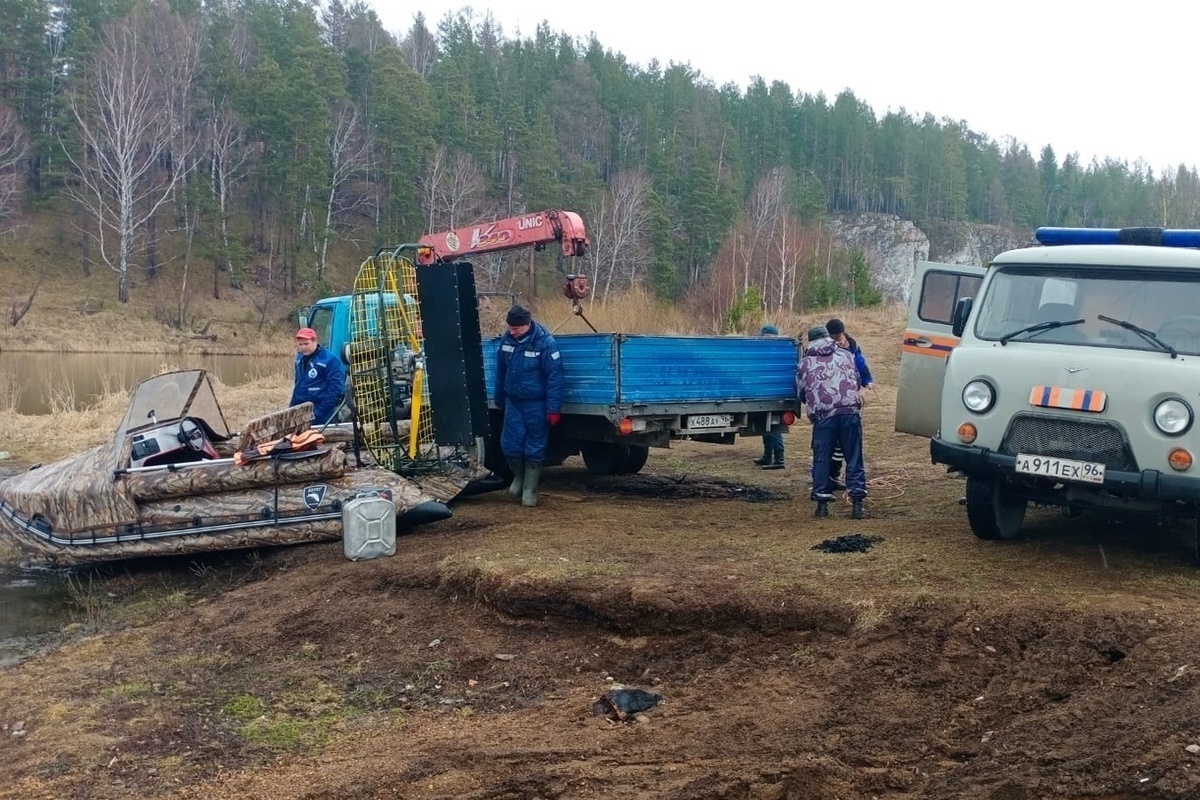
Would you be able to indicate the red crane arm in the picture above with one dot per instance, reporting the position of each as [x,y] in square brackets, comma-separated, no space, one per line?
[528,230]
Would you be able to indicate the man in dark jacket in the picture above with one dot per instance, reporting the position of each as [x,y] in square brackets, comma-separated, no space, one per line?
[828,385]
[837,332]
[529,390]
[772,457]
[320,377]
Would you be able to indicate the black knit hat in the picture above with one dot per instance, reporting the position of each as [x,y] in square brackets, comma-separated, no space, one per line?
[817,332]
[835,326]
[519,315]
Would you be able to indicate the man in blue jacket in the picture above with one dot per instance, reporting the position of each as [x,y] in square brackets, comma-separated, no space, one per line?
[529,390]
[320,377]
[772,457]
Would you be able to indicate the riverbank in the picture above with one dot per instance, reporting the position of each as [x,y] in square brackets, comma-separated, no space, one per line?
[923,663]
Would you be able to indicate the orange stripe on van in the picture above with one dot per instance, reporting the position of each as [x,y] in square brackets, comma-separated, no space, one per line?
[1073,399]
[939,346]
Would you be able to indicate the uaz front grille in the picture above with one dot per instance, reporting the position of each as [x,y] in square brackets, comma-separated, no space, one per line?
[1062,437]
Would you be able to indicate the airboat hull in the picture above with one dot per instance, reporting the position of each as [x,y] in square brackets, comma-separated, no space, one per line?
[151,492]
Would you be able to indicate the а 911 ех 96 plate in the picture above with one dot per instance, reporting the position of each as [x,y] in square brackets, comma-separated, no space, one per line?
[1063,469]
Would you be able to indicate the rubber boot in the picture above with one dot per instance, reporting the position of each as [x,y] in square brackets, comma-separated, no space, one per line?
[517,465]
[822,508]
[778,461]
[764,461]
[533,474]
[856,508]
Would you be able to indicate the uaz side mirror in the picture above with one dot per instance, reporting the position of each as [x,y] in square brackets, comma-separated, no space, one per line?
[962,310]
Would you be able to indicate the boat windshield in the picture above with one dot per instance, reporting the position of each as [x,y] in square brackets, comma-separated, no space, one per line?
[1155,310]
[169,397]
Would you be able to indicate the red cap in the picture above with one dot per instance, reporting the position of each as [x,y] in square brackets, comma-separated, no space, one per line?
[306,333]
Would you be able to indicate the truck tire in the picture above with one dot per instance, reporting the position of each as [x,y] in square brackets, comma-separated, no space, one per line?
[991,513]
[601,458]
[610,458]
[635,458]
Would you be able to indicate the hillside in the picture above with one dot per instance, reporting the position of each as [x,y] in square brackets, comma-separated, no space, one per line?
[77,311]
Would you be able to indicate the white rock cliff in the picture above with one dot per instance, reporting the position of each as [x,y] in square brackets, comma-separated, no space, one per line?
[893,246]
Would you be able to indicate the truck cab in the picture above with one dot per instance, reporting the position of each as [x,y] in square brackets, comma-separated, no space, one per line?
[333,320]
[1066,374]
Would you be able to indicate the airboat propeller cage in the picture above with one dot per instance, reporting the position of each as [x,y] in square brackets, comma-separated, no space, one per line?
[416,362]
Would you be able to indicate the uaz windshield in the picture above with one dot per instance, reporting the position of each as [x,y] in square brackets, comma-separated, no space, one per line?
[1157,310]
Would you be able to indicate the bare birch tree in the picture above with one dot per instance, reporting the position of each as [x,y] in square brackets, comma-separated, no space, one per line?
[129,112]
[452,190]
[620,220]
[783,266]
[13,144]
[228,157]
[420,47]
[347,150]
[765,213]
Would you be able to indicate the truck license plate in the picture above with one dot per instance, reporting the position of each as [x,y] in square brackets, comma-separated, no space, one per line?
[710,421]
[1065,469]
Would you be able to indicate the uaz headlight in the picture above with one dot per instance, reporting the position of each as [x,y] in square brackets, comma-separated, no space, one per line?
[978,396]
[1173,417]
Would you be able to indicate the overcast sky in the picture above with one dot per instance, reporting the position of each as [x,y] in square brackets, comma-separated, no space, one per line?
[1119,83]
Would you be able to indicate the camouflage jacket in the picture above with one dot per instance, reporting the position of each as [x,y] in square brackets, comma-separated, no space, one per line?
[827,380]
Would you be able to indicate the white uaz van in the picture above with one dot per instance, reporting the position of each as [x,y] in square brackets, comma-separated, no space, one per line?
[1065,374]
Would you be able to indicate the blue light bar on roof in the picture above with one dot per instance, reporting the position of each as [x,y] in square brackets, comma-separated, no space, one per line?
[1159,237]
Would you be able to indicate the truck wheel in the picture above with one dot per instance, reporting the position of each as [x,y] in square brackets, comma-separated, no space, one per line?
[634,458]
[601,458]
[610,458]
[990,512]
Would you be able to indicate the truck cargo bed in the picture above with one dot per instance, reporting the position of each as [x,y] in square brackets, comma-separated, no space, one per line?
[618,369]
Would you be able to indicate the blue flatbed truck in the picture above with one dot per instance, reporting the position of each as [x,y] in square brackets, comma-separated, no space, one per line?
[625,393]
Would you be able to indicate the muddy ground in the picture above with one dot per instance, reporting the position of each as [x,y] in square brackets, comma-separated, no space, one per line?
[930,665]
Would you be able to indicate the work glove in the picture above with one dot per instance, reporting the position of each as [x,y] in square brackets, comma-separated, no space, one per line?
[553,417]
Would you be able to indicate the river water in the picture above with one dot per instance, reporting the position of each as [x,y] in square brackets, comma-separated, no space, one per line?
[35,605]
[42,383]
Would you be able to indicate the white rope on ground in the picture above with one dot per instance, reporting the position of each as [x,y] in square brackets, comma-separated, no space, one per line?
[891,484]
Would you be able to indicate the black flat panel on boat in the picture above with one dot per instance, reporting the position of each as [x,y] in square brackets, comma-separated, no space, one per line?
[453,352]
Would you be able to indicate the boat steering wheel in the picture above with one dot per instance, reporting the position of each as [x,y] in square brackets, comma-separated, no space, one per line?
[192,435]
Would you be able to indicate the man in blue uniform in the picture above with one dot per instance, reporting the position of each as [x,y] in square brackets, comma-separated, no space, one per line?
[320,377]
[529,390]
[772,457]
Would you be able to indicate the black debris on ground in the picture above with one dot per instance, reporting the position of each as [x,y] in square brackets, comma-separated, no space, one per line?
[621,704]
[850,543]
[682,487]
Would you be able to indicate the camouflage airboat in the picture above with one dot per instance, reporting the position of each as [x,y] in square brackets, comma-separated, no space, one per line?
[175,480]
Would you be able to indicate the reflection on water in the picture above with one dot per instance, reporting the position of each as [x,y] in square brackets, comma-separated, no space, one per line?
[32,605]
[42,383]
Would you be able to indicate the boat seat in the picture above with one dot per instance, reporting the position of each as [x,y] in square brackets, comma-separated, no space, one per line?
[276,425]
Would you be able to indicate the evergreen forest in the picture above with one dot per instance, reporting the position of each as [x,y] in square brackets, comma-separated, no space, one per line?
[257,142]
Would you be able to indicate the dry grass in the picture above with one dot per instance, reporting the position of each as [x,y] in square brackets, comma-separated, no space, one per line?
[639,311]
[32,439]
